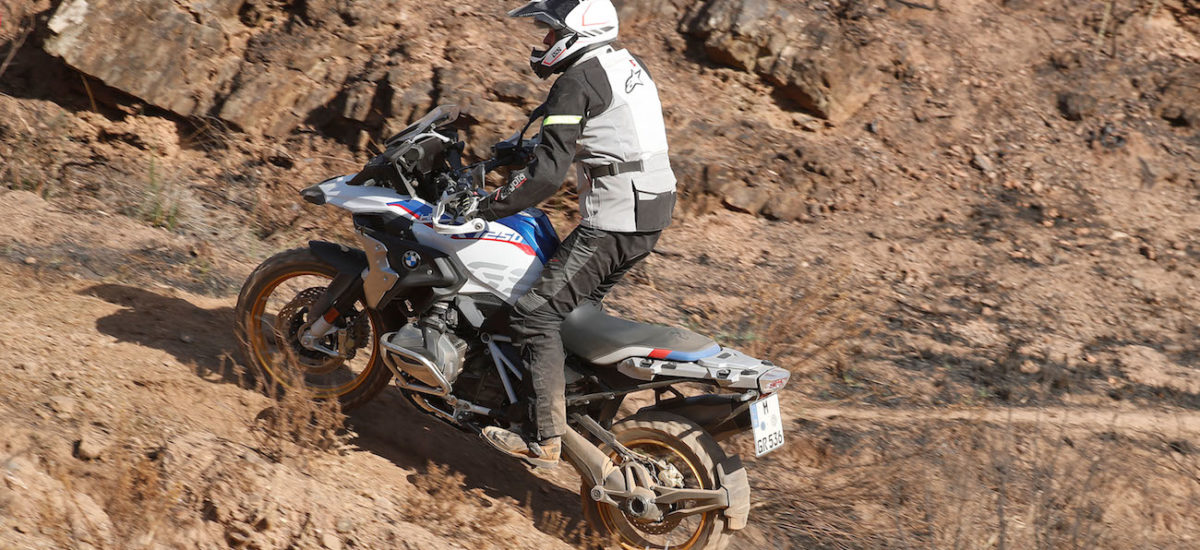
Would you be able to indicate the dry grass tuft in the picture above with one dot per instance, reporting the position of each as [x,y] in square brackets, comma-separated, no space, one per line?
[970,485]
[445,488]
[579,533]
[141,501]
[16,38]
[160,203]
[802,323]
[298,425]
[139,506]
[26,163]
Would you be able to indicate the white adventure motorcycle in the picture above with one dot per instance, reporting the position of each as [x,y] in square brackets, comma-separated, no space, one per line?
[426,302]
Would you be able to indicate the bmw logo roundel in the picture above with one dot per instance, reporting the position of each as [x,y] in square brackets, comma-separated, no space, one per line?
[411,259]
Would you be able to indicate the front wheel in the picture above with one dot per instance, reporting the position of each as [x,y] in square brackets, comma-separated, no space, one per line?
[695,454]
[272,309]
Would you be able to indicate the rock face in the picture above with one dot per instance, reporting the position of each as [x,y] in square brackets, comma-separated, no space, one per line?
[266,67]
[797,49]
[207,58]
[175,59]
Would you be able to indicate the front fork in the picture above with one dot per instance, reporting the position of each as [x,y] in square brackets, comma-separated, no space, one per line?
[339,298]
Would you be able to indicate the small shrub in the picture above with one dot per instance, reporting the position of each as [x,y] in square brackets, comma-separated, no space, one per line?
[160,205]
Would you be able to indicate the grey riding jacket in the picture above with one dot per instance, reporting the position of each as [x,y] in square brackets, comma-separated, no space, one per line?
[603,112]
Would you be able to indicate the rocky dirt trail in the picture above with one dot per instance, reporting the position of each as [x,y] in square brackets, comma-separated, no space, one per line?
[117,377]
[121,397]
[1169,422]
[113,374]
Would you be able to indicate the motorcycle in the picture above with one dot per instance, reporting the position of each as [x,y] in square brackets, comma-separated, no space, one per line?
[425,302]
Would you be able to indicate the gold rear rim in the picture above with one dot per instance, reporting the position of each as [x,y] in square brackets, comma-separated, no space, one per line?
[630,536]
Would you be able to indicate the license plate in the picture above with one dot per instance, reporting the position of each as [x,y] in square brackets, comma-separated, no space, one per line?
[768,425]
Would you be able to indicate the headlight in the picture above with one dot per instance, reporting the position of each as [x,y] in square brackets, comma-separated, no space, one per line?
[772,380]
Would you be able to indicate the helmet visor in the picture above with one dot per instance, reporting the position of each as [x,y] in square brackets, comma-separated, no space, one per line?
[553,12]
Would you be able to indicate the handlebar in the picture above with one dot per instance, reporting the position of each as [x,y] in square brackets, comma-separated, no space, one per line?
[473,225]
[511,152]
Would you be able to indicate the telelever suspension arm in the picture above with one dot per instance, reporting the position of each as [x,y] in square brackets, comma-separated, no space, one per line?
[632,480]
[603,435]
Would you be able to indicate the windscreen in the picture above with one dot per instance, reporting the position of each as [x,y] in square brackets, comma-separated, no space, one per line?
[440,116]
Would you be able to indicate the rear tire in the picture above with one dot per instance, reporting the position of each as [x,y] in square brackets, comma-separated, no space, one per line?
[694,452]
[275,371]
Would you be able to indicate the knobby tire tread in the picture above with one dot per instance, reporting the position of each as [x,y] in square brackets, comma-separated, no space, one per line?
[298,259]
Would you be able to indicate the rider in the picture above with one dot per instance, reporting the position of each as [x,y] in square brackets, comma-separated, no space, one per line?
[604,112]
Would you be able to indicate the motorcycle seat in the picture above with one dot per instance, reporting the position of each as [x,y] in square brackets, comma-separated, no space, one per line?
[602,339]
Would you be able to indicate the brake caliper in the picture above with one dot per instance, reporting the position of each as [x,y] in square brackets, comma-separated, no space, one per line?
[669,476]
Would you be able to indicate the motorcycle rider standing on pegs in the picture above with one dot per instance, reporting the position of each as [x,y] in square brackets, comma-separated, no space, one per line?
[604,112]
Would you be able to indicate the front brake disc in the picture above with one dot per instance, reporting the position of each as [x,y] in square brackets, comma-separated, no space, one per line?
[288,323]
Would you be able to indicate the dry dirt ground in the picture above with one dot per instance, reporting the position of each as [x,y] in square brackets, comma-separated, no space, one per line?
[125,426]
[985,288]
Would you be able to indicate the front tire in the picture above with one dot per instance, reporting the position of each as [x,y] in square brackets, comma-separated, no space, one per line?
[270,309]
[695,454]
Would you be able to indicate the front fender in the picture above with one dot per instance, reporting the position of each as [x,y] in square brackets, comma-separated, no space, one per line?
[346,286]
[341,257]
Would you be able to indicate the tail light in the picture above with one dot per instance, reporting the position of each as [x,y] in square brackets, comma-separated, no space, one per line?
[773,380]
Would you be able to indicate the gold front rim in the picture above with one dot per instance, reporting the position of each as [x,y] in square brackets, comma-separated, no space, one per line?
[259,345]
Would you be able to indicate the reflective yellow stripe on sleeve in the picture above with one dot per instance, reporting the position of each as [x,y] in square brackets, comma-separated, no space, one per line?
[562,119]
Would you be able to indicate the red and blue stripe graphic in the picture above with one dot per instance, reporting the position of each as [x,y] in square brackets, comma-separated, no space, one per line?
[682,355]
[533,235]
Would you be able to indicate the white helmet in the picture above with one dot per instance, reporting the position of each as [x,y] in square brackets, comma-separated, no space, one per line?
[576,27]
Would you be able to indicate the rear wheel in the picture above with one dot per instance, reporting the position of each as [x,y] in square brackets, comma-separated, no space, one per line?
[271,310]
[684,445]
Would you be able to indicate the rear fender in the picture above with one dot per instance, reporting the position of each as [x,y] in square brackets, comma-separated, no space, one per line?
[722,416]
[731,475]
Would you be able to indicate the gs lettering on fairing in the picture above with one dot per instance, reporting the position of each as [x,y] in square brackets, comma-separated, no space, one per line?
[425,302]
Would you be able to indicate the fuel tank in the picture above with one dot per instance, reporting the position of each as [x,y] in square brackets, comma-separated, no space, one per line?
[504,259]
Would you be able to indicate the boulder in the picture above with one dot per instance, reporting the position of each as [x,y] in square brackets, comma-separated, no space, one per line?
[802,52]
[1180,98]
[200,58]
[747,199]
[717,179]
[635,11]
[359,99]
[1076,105]
[174,58]
[1150,367]
[787,207]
